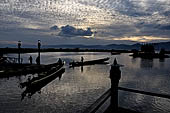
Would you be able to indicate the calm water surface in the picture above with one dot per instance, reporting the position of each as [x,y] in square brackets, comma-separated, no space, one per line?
[79,88]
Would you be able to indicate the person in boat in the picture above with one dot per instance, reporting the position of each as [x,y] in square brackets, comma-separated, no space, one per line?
[30,59]
[82,59]
[59,61]
[38,60]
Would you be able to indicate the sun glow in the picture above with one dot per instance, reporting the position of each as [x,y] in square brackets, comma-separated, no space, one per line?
[142,38]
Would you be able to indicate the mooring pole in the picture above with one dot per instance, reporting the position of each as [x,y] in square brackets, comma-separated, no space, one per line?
[39,45]
[115,75]
[19,52]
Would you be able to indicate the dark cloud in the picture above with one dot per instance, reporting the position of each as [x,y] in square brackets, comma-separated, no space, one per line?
[135,30]
[153,29]
[116,30]
[166,13]
[151,26]
[54,27]
[165,27]
[130,8]
[72,31]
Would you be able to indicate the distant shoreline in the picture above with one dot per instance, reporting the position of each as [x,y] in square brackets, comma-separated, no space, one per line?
[33,50]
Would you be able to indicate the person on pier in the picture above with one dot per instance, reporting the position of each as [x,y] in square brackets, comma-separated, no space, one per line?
[82,59]
[38,60]
[115,75]
[30,59]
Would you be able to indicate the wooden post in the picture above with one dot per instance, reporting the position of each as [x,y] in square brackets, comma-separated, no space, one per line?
[19,52]
[39,45]
[115,75]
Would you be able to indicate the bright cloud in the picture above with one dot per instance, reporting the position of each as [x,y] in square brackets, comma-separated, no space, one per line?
[142,39]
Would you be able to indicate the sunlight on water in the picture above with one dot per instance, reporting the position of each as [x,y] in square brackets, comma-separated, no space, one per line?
[80,87]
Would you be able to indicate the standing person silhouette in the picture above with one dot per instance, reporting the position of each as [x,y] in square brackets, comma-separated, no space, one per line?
[82,59]
[38,60]
[59,61]
[30,59]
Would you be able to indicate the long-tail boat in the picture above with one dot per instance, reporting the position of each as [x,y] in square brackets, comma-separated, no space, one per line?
[91,62]
[24,69]
[115,53]
[43,74]
[35,86]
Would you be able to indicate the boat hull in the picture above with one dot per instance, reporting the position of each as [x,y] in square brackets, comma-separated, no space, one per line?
[37,85]
[92,62]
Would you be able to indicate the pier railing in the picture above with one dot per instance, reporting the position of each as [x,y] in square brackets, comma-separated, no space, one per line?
[112,93]
[145,92]
[99,102]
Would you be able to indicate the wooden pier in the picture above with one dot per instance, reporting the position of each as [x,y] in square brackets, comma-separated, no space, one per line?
[102,105]
[108,102]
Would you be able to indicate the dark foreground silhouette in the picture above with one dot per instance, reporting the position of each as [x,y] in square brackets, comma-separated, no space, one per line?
[35,86]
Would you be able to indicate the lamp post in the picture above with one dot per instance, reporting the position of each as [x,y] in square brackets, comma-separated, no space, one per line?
[19,52]
[39,45]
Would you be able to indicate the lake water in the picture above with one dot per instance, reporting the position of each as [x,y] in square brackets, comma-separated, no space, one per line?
[79,88]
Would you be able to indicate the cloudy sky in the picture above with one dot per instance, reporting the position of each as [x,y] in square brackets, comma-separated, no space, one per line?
[84,21]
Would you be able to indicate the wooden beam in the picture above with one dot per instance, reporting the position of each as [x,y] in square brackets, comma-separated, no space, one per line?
[145,92]
[98,103]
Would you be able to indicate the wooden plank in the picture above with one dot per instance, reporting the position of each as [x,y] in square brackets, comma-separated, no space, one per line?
[98,103]
[145,92]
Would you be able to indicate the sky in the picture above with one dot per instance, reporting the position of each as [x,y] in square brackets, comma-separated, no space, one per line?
[87,22]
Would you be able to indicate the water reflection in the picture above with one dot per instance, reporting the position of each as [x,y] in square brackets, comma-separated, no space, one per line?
[141,102]
[33,87]
[134,60]
[146,63]
[66,96]
[162,60]
[162,63]
[82,69]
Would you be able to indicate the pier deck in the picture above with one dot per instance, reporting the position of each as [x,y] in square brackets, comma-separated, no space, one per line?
[105,108]
[102,105]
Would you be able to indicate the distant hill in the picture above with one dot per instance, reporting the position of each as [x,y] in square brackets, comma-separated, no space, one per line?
[16,46]
[165,45]
[158,46]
